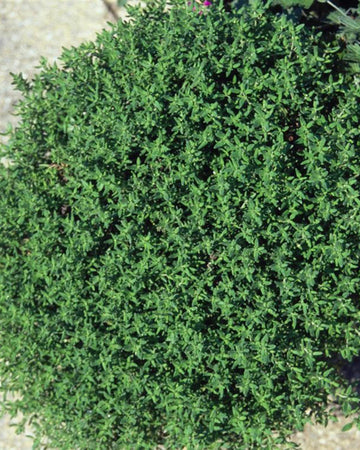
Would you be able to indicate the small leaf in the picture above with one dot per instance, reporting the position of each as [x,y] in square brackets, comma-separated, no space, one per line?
[347,427]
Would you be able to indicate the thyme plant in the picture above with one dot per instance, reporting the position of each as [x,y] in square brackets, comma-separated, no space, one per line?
[179,234]
[347,22]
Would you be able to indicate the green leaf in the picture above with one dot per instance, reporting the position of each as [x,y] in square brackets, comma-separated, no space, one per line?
[347,427]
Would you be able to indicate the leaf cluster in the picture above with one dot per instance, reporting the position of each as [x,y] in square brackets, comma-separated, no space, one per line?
[326,14]
[349,22]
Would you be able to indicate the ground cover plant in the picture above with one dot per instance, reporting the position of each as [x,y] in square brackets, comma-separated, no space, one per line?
[342,17]
[179,234]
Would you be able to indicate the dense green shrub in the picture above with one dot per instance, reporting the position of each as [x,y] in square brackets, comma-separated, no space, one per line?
[180,234]
[327,15]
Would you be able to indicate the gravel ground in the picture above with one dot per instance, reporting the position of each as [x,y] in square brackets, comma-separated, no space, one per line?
[30,29]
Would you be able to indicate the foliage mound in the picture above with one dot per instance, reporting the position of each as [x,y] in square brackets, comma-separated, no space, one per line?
[179,234]
[326,15]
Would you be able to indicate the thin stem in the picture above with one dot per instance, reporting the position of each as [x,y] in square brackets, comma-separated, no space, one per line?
[337,9]
[111,9]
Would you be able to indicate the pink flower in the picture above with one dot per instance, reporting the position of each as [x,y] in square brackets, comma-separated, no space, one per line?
[205,3]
